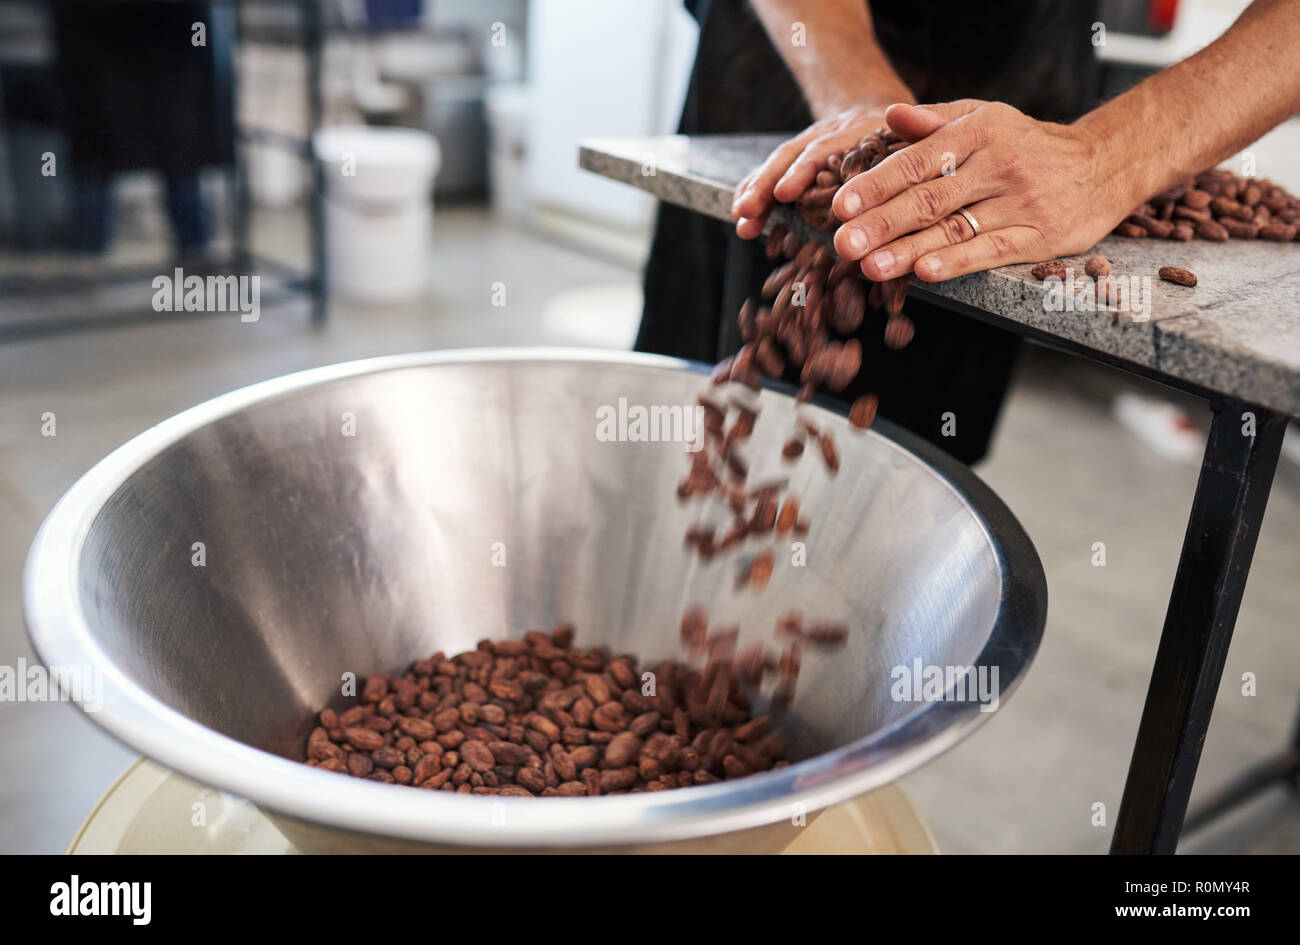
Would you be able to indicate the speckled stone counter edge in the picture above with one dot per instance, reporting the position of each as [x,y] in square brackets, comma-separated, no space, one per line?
[1183,345]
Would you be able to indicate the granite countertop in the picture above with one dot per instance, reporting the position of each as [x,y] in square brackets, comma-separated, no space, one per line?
[1236,333]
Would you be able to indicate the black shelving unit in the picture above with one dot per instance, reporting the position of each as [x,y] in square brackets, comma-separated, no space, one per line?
[308,36]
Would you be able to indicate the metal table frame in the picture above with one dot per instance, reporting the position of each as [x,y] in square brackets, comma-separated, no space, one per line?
[1227,509]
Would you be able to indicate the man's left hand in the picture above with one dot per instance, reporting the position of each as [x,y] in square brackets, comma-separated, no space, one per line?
[1037,190]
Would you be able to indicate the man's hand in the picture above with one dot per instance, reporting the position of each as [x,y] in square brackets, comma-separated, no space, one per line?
[846,79]
[790,169]
[1036,189]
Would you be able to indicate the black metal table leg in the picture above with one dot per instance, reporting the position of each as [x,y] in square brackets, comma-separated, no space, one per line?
[313,42]
[1231,493]
[1294,777]
[241,202]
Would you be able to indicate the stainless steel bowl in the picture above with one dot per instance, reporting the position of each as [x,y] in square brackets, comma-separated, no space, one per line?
[349,517]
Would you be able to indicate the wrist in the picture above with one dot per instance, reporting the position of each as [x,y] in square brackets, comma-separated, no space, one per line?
[1132,175]
[1126,178]
[870,95]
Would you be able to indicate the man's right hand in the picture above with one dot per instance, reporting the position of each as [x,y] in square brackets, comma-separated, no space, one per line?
[791,168]
[847,81]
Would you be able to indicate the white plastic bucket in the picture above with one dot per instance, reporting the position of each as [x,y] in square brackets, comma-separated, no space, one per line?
[378,210]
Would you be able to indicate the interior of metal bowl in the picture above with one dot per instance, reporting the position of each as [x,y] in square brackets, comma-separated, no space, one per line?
[355,518]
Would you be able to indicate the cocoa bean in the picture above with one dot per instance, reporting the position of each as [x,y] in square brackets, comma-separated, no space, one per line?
[1209,230]
[531,779]
[621,750]
[363,739]
[760,570]
[617,779]
[863,411]
[1194,214]
[1239,230]
[829,452]
[899,331]
[609,717]
[1054,269]
[478,756]
[1177,275]
[849,299]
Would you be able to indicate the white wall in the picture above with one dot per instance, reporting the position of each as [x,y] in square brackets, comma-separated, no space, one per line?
[601,69]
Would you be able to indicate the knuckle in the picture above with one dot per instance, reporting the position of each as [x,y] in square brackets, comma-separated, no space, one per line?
[1010,166]
[1002,244]
[982,134]
[957,257]
[913,163]
[882,229]
[954,229]
[999,110]
[789,149]
[930,204]
[869,189]
[977,128]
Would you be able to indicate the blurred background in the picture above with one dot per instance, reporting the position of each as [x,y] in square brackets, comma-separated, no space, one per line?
[223,172]
[402,175]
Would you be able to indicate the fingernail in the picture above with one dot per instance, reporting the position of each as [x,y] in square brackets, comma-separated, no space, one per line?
[852,204]
[857,240]
[884,261]
[929,267]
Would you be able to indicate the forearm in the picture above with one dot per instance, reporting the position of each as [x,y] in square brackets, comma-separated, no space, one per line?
[1203,110]
[840,63]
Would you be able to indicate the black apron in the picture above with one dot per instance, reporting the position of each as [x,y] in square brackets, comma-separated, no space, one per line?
[1034,54]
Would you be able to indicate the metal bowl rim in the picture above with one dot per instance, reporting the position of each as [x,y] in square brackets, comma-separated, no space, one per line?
[61,636]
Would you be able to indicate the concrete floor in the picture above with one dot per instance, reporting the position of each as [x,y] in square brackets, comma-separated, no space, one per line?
[1025,782]
[1028,780]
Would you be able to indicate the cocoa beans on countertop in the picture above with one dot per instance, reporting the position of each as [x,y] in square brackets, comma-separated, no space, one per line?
[1220,205]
